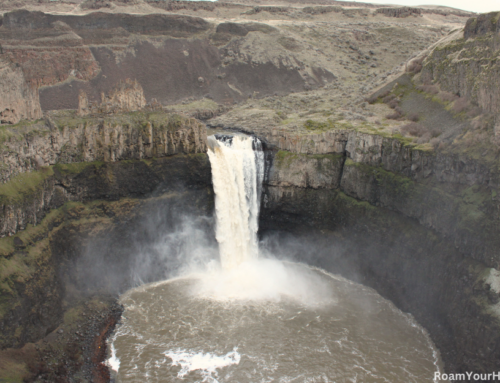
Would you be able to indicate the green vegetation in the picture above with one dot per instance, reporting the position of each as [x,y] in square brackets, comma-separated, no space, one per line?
[138,120]
[396,185]
[5,133]
[12,371]
[76,167]
[284,158]
[23,186]
[350,203]
[321,126]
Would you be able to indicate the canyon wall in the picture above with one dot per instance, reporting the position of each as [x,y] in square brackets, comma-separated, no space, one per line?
[391,215]
[141,163]
[172,57]
[418,223]
[40,148]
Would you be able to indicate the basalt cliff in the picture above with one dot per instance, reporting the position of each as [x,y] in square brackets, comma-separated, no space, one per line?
[380,128]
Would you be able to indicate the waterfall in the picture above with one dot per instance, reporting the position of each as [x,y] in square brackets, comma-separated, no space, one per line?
[237,173]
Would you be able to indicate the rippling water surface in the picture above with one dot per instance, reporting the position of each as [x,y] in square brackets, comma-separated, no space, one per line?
[182,331]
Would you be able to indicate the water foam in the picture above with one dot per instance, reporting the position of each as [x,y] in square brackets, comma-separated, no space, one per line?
[206,363]
[113,361]
[264,280]
[237,173]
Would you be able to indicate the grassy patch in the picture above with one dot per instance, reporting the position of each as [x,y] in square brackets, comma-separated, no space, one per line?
[397,185]
[77,167]
[312,125]
[20,187]
[284,158]
[12,371]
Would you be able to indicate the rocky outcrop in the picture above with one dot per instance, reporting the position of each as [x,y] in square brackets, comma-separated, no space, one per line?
[128,96]
[389,153]
[68,139]
[467,67]
[391,215]
[96,23]
[386,172]
[166,54]
[482,25]
[314,171]
[399,12]
[18,100]
[28,193]
[40,191]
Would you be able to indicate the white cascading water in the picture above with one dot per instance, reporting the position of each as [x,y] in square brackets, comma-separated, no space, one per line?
[258,318]
[237,174]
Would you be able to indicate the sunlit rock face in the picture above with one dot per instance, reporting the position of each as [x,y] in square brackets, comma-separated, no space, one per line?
[18,100]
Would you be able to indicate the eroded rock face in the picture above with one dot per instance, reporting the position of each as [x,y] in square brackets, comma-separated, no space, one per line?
[166,54]
[18,100]
[315,171]
[400,12]
[467,66]
[128,96]
[482,25]
[110,181]
[94,140]
[100,139]
[394,217]
[82,250]
[430,187]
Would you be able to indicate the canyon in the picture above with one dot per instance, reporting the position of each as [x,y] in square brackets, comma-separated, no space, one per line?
[380,134]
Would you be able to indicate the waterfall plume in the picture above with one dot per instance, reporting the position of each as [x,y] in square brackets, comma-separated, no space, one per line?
[237,172]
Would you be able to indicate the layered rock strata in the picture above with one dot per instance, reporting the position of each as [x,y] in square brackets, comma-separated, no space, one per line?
[468,66]
[391,215]
[128,96]
[29,196]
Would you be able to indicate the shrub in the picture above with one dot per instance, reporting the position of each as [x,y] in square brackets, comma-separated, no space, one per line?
[413,117]
[388,98]
[375,97]
[435,132]
[435,142]
[393,116]
[384,93]
[415,129]
[426,137]
[393,104]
